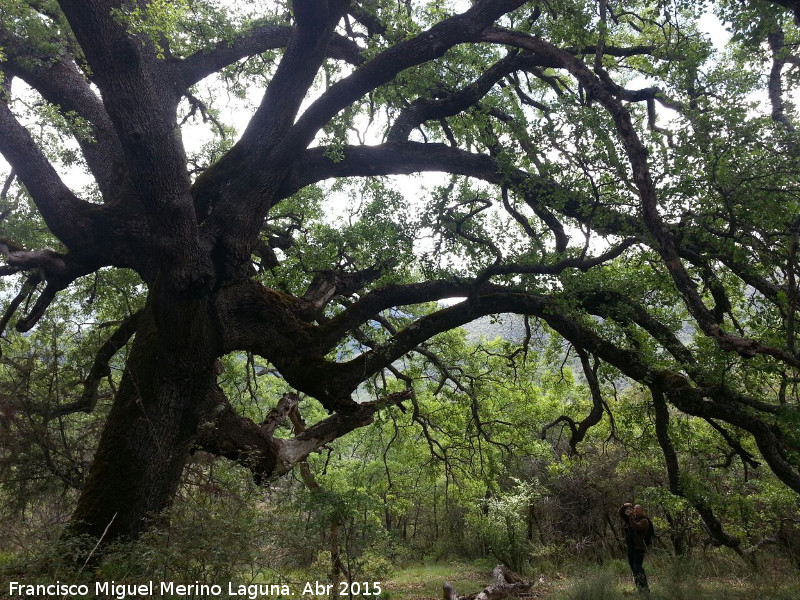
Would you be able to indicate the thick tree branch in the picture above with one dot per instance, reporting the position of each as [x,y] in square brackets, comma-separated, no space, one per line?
[63,85]
[422,110]
[205,62]
[258,321]
[424,47]
[775,85]
[267,147]
[141,98]
[238,190]
[413,157]
[239,439]
[67,217]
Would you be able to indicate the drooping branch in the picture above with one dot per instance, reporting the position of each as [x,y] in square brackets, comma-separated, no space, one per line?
[580,429]
[623,309]
[6,187]
[371,304]
[712,401]
[712,524]
[737,448]
[637,155]
[580,263]
[447,373]
[55,269]
[25,292]
[664,440]
[101,367]
[258,320]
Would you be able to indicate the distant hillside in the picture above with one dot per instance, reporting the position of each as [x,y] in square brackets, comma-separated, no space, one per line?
[508,327]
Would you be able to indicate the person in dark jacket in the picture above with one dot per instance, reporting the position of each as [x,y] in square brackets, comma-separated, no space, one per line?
[635,525]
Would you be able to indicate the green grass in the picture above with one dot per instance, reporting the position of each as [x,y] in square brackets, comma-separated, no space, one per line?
[598,584]
[426,581]
[669,580]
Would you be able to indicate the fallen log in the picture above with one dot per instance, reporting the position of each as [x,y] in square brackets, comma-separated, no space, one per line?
[506,583]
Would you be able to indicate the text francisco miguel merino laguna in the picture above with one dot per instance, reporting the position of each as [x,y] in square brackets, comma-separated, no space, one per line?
[120,591]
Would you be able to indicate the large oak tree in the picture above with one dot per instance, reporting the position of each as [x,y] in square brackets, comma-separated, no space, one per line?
[603,169]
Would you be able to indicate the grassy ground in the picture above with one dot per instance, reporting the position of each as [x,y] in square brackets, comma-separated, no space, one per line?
[669,580]
[423,582]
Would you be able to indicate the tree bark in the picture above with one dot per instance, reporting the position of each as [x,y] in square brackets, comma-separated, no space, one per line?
[144,445]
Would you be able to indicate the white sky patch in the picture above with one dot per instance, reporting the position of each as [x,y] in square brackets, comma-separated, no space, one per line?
[714,29]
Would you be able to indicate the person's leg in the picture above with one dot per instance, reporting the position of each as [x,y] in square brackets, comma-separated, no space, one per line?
[632,561]
[638,570]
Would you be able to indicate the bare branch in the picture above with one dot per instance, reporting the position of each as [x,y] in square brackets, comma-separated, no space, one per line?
[328,284]
[280,413]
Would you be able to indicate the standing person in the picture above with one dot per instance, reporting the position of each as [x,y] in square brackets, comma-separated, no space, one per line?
[635,525]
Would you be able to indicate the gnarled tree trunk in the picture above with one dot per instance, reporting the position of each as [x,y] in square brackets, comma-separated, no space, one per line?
[148,433]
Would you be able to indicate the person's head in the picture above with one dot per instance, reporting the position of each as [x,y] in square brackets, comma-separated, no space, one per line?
[638,510]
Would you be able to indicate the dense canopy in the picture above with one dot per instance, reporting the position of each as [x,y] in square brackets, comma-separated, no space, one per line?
[603,168]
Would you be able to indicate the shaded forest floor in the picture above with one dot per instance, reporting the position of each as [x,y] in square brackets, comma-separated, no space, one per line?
[668,581]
